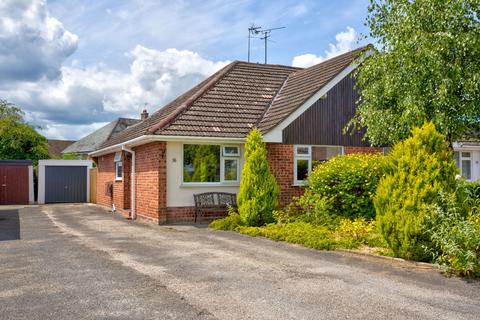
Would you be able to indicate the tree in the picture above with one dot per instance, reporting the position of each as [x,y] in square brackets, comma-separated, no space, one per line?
[258,195]
[19,140]
[417,171]
[427,68]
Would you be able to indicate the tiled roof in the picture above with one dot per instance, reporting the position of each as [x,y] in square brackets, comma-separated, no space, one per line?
[236,98]
[94,140]
[55,147]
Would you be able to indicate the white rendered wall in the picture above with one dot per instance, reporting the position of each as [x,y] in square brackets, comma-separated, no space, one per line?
[181,195]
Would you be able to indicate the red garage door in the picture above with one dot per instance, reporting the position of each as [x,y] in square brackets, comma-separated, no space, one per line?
[14,182]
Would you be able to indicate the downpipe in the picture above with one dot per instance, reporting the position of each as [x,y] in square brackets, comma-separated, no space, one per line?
[132,188]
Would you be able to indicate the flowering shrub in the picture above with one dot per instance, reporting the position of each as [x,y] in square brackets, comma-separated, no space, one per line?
[346,183]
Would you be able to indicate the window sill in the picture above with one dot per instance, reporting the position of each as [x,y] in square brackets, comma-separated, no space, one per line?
[118,180]
[301,184]
[211,184]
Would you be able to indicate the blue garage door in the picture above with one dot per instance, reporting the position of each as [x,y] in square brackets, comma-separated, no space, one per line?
[65,184]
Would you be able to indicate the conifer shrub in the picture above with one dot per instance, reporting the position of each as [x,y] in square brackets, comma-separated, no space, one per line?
[258,195]
[344,185]
[417,170]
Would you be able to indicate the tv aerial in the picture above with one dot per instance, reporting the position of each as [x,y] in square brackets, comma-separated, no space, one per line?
[265,34]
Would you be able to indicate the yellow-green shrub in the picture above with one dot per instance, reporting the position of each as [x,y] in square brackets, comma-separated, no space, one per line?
[417,170]
[258,195]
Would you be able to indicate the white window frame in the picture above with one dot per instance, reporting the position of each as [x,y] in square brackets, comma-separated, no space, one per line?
[224,157]
[308,157]
[118,163]
[222,167]
[461,158]
[297,157]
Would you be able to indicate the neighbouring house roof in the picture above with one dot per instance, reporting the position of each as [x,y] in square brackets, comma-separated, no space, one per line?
[237,98]
[55,147]
[94,140]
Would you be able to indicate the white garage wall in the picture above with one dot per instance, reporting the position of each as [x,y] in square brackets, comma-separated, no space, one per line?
[181,195]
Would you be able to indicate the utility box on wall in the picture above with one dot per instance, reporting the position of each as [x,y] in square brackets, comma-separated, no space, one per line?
[64,181]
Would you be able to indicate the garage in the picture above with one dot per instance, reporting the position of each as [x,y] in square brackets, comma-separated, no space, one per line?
[64,181]
[16,182]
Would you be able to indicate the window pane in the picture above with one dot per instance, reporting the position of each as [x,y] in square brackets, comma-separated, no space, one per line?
[201,163]
[302,169]
[467,169]
[321,154]
[118,166]
[302,151]
[231,173]
[456,156]
[465,154]
[230,151]
[118,156]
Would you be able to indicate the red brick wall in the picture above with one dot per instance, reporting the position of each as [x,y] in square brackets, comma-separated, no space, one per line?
[280,158]
[151,182]
[187,215]
[121,189]
[350,150]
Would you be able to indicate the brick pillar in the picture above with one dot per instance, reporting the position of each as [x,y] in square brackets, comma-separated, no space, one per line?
[280,159]
[151,182]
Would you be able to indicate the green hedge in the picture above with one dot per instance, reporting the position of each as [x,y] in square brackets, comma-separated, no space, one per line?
[348,183]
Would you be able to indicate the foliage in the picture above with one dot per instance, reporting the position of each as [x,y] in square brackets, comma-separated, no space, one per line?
[417,170]
[229,223]
[19,140]
[311,236]
[344,186]
[10,111]
[258,195]
[427,68]
[358,229]
[349,234]
[455,239]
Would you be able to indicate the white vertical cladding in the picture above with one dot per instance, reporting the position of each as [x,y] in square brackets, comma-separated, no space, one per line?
[476,165]
[180,195]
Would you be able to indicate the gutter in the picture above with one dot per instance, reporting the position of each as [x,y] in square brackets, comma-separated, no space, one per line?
[132,183]
[152,138]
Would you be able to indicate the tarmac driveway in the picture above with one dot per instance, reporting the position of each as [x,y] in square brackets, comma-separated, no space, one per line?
[81,262]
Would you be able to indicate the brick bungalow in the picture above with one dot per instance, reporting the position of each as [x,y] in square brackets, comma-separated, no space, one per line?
[152,166]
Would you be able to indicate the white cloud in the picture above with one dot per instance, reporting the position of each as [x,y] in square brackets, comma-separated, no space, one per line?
[71,101]
[85,97]
[344,42]
[32,43]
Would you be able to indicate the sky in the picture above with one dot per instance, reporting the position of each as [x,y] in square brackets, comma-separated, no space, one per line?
[73,66]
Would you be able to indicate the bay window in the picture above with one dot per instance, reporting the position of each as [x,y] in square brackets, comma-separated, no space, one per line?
[203,163]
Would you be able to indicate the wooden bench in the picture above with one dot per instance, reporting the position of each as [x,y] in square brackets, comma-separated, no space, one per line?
[213,202]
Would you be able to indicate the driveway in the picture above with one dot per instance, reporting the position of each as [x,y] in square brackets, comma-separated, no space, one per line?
[81,262]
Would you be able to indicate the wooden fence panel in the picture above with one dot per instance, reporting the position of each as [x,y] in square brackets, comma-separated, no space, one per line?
[93,185]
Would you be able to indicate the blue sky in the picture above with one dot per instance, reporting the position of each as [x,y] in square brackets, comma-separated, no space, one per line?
[75,65]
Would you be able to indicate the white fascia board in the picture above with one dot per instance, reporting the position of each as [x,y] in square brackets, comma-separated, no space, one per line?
[275,134]
[86,163]
[152,138]
[466,145]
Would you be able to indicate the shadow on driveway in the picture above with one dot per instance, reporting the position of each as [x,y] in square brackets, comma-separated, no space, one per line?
[9,225]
